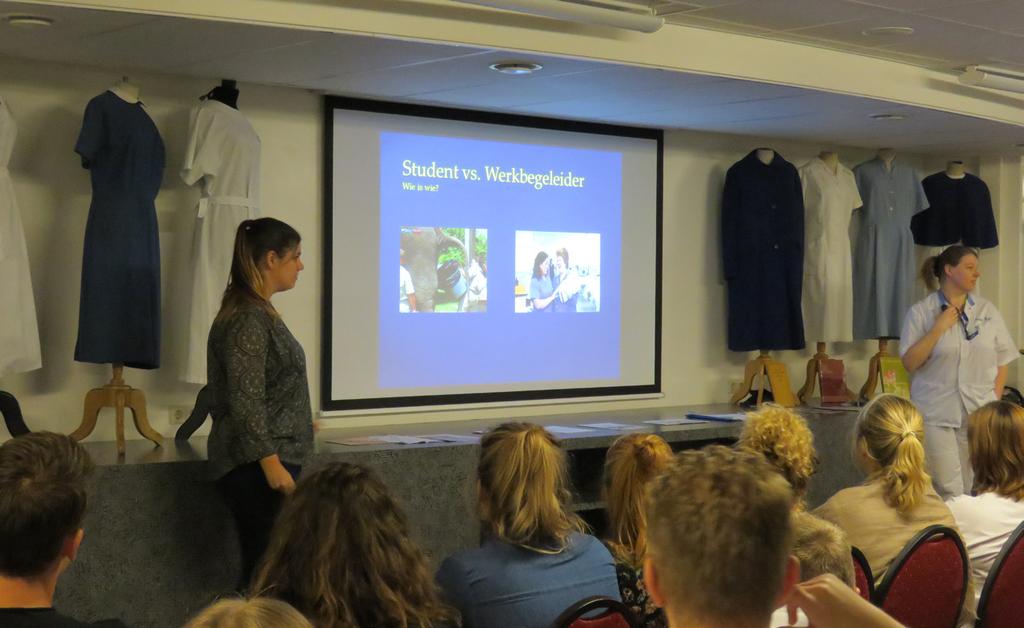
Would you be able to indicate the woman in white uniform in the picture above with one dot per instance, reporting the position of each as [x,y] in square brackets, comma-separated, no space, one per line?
[957,349]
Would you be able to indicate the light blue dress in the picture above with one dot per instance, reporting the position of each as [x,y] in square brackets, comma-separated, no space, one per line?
[883,256]
[499,585]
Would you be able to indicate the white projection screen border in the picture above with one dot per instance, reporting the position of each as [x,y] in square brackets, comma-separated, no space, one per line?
[357,318]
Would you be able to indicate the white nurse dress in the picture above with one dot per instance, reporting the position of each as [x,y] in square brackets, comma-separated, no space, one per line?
[223,157]
[19,330]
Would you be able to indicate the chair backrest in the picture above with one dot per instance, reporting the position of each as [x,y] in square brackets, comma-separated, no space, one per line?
[604,613]
[1001,602]
[862,574]
[925,585]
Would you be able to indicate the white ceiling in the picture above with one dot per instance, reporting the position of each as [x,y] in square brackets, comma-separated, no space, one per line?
[948,34]
[458,76]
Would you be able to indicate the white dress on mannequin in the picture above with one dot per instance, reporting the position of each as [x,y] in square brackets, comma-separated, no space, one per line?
[19,330]
[829,200]
[223,156]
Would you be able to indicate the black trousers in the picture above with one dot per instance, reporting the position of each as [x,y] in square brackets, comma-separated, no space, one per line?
[254,506]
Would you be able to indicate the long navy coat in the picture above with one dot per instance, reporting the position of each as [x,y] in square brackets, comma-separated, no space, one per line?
[763,254]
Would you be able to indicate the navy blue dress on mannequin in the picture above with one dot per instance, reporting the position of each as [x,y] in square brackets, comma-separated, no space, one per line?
[119,312]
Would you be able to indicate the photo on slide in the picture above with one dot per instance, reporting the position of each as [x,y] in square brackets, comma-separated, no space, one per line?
[558,272]
[442,269]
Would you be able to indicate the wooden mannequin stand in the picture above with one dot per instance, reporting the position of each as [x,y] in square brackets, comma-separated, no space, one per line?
[759,368]
[117,395]
[875,370]
[813,373]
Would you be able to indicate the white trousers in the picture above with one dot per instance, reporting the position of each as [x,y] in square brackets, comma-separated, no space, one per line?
[945,450]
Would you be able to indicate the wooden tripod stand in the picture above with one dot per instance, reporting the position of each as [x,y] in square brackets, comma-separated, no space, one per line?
[813,372]
[875,370]
[763,368]
[118,395]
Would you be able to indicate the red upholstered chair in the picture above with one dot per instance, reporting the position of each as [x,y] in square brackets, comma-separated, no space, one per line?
[925,585]
[604,613]
[1001,604]
[862,575]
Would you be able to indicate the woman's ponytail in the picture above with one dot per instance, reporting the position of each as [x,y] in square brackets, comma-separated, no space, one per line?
[253,240]
[890,430]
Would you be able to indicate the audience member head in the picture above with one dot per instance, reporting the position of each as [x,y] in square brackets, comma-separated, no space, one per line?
[821,547]
[631,463]
[340,552]
[524,487]
[782,436]
[42,504]
[956,265]
[995,436]
[889,445]
[719,538]
[258,612]
[258,242]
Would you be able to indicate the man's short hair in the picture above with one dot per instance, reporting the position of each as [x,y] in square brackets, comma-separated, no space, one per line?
[719,533]
[42,500]
[821,547]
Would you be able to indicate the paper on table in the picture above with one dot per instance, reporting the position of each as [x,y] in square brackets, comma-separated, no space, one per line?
[405,440]
[612,426]
[675,421]
[358,440]
[454,438]
[564,429]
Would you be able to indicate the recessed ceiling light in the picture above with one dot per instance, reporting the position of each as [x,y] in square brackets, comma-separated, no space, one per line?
[887,116]
[516,68]
[888,31]
[29,21]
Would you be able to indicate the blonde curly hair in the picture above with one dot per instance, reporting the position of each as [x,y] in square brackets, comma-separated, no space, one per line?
[782,436]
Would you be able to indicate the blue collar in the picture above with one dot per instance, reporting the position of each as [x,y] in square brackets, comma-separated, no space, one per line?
[970,333]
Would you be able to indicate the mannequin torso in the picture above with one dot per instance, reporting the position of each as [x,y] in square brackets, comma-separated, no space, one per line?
[765,155]
[955,170]
[831,159]
[887,155]
[126,91]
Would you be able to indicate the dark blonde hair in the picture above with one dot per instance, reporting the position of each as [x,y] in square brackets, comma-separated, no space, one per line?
[890,431]
[631,463]
[253,240]
[524,487]
[995,438]
[821,547]
[782,436]
[258,612]
[934,268]
[340,552]
[719,534]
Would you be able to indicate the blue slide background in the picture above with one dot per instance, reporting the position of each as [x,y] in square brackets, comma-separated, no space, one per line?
[499,345]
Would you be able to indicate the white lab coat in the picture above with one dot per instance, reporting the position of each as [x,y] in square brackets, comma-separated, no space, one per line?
[19,331]
[223,157]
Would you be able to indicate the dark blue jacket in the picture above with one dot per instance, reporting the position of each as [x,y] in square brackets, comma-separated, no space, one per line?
[960,210]
[763,254]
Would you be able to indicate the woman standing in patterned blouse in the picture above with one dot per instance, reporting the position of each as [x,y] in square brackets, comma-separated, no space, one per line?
[633,461]
[262,422]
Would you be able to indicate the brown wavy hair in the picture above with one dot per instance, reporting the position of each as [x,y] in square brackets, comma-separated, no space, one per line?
[524,487]
[995,439]
[890,431]
[782,436]
[631,463]
[340,553]
[253,240]
[933,269]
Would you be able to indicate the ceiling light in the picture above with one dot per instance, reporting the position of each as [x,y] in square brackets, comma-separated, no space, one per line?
[996,78]
[643,20]
[888,31]
[29,21]
[887,116]
[516,68]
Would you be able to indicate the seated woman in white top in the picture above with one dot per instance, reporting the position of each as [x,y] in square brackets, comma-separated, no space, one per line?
[995,436]
[536,561]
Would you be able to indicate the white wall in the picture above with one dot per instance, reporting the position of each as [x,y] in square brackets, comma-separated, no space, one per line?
[53,191]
